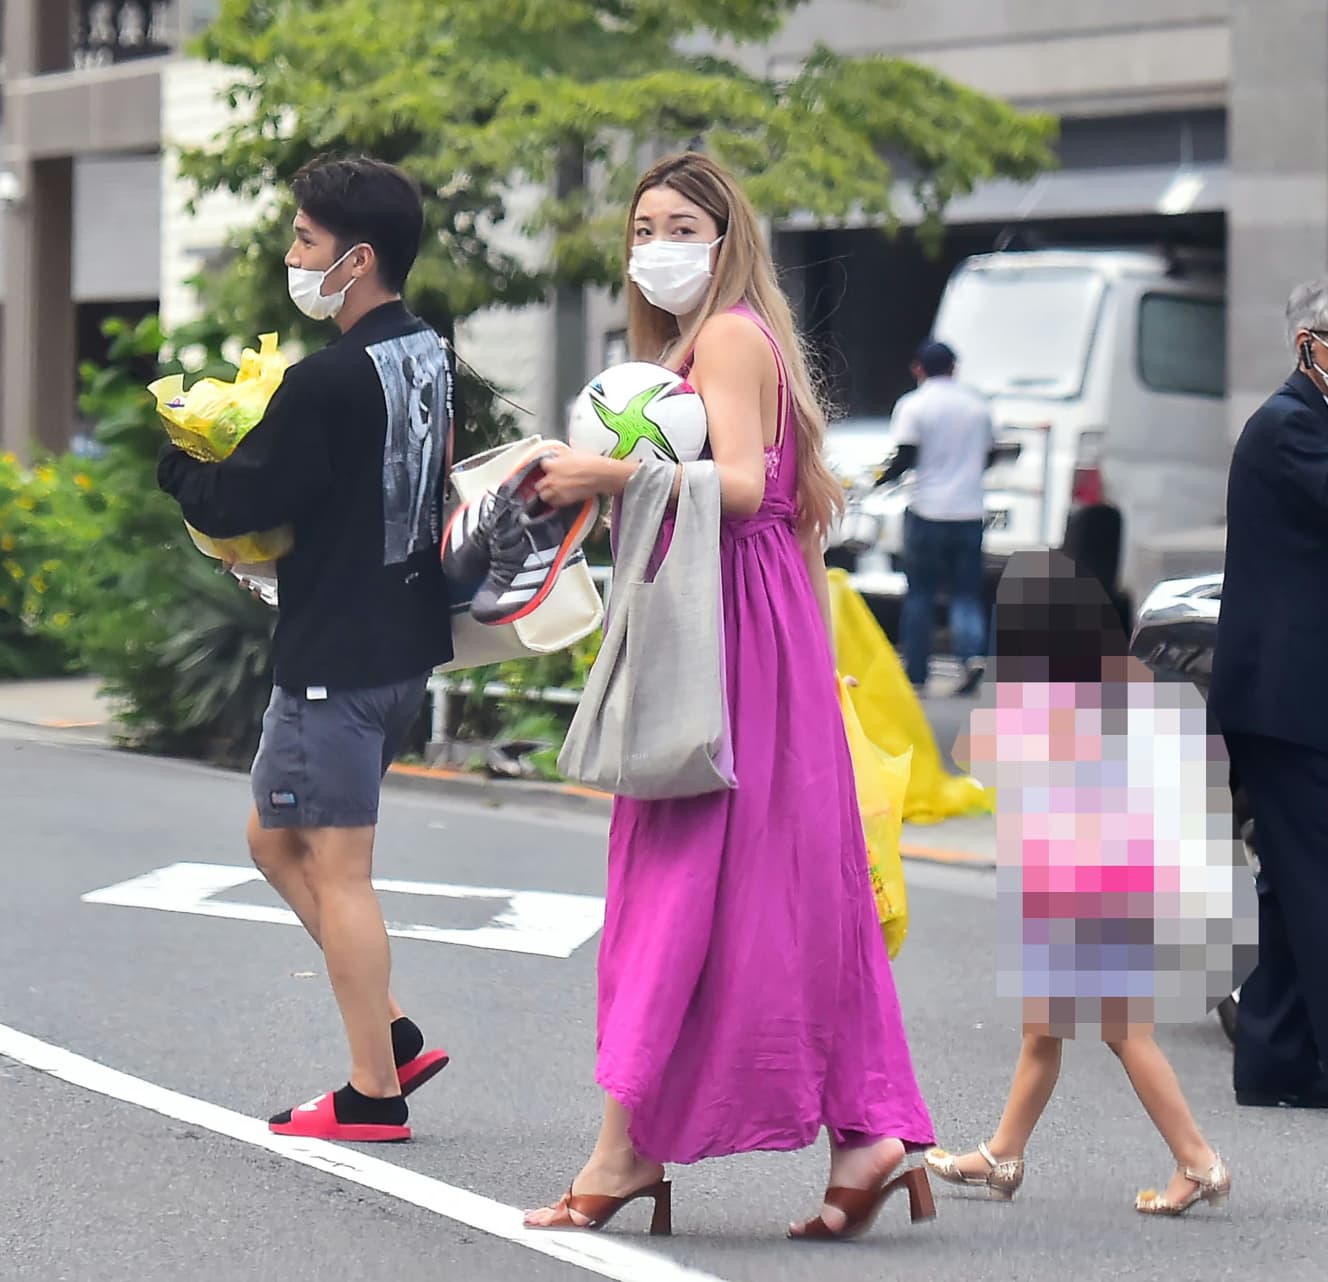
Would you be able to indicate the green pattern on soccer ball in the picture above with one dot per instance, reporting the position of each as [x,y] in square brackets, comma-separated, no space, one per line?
[631,426]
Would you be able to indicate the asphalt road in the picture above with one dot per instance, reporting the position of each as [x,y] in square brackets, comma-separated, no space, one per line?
[217,1021]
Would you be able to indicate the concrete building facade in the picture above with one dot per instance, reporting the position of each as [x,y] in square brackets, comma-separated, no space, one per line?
[1277,215]
[1194,122]
[80,190]
[1235,90]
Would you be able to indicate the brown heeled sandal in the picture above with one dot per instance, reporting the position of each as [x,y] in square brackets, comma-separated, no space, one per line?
[598,1209]
[862,1206]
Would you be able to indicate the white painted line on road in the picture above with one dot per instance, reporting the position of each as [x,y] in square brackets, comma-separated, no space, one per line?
[593,1252]
[538,922]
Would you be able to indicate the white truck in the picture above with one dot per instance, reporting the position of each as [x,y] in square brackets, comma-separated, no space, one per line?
[1107,368]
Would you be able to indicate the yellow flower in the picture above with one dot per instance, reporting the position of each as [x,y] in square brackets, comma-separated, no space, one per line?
[60,620]
[15,570]
[83,481]
[51,566]
[26,504]
[7,543]
[45,473]
[38,583]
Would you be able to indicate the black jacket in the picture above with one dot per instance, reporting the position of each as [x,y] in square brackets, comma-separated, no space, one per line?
[1269,672]
[351,452]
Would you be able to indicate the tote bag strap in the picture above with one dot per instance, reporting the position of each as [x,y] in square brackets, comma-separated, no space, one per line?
[693,555]
[693,549]
[645,504]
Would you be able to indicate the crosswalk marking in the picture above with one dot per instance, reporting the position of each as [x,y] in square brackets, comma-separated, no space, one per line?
[538,922]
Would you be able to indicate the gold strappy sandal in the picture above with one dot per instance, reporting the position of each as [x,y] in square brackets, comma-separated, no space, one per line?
[1001,1179]
[1212,1186]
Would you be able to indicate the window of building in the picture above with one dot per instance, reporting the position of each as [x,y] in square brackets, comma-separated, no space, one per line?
[616,350]
[1183,345]
[110,31]
[199,15]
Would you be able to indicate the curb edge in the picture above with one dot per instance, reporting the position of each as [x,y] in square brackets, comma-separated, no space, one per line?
[496,793]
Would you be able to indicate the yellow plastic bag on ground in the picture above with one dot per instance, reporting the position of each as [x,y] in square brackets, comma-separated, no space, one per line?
[210,419]
[891,715]
[882,781]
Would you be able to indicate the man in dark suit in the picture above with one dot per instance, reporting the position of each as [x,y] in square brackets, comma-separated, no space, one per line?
[1270,698]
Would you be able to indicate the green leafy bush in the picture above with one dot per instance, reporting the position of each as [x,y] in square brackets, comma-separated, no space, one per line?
[182,648]
[522,714]
[566,670]
[28,650]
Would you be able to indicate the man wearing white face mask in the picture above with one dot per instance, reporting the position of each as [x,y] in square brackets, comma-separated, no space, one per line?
[351,453]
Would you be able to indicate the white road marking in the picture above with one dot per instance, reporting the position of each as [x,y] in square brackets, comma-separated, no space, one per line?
[593,1252]
[538,922]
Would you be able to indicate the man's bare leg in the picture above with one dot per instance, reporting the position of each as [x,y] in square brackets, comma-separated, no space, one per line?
[354,941]
[280,854]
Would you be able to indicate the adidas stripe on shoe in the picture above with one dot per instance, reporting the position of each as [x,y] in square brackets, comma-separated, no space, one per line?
[465,549]
[529,545]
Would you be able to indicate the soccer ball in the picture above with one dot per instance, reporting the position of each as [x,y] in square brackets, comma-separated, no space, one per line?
[639,411]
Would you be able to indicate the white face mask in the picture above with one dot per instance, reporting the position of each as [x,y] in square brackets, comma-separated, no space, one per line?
[672,274]
[306,289]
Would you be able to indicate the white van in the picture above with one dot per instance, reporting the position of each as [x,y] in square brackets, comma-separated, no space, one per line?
[1108,369]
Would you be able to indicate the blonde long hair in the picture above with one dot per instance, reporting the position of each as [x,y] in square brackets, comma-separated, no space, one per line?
[744,272]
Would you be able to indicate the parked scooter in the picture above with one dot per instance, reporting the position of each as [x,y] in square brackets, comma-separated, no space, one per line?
[1175,636]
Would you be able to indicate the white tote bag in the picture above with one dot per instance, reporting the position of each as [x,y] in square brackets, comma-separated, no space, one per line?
[653,721]
[571,611]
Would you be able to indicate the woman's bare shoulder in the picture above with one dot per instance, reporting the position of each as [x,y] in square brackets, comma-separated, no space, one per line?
[730,334]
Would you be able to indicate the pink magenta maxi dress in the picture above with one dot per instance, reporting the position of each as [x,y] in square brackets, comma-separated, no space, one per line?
[745,995]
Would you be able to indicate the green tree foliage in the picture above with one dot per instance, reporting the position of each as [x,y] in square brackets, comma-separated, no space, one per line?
[41,510]
[478,98]
[98,574]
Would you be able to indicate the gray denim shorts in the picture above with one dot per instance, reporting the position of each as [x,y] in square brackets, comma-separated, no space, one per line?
[322,759]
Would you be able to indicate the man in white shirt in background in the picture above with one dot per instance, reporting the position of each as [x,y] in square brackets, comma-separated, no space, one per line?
[944,432]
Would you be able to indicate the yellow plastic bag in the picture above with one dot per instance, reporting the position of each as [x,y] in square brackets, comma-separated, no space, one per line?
[246,549]
[882,781]
[210,419]
[891,715]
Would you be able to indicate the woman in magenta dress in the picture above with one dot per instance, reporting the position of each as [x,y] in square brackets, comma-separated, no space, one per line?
[745,994]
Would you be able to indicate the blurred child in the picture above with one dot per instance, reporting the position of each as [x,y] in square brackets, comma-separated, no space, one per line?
[1117,873]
